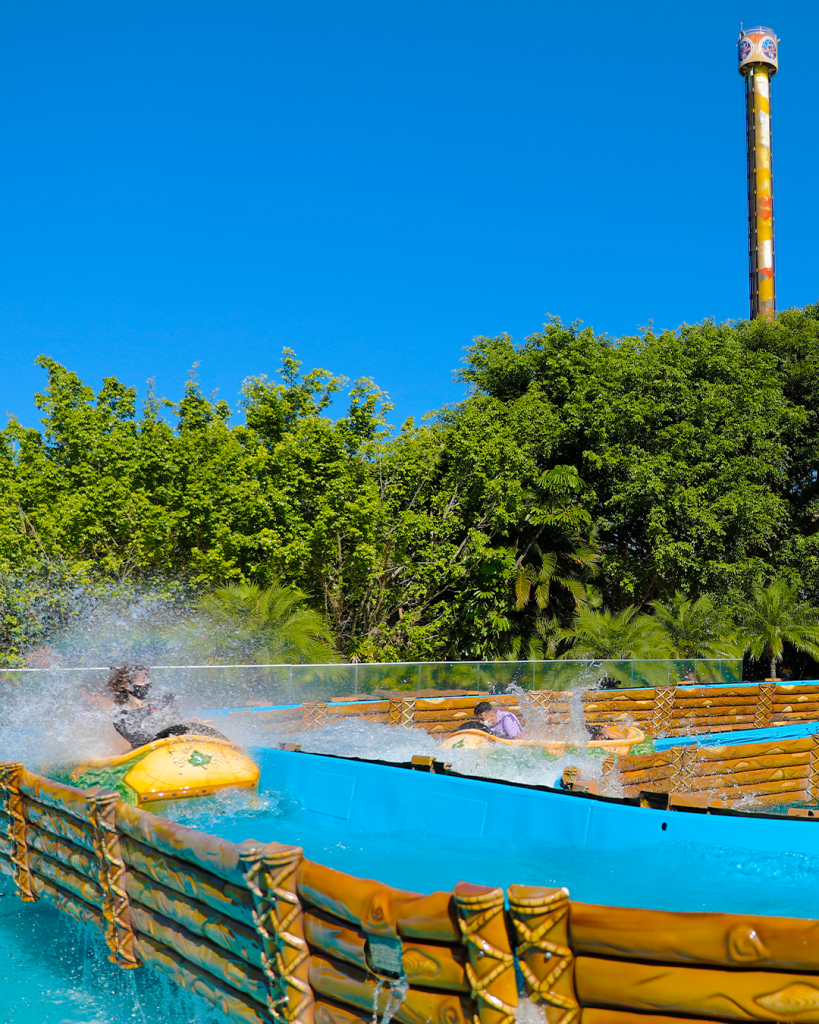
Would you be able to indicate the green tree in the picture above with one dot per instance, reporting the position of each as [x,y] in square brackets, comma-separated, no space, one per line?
[270,625]
[614,636]
[772,617]
[697,628]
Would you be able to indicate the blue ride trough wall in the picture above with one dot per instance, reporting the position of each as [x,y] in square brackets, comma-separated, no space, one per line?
[269,935]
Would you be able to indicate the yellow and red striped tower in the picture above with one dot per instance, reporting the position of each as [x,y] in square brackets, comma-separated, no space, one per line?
[758,63]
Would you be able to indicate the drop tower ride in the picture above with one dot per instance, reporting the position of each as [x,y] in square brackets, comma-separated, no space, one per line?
[758,63]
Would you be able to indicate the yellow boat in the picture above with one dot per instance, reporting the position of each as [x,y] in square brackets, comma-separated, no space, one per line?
[619,741]
[171,768]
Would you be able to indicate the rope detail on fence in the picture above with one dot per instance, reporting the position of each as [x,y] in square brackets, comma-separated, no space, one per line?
[663,709]
[765,705]
[402,711]
[13,806]
[540,918]
[270,874]
[102,812]
[490,969]
[313,714]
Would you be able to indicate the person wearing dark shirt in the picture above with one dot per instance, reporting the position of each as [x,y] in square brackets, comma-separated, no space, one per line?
[138,716]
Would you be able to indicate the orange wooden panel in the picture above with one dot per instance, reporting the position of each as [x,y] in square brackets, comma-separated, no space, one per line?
[786,786]
[377,908]
[356,989]
[646,777]
[749,764]
[706,692]
[749,750]
[328,1013]
[727,940]
[618,705]
[632,693]
[748,779]
[592,1015]
[703,991]
[721,701]
[427,966]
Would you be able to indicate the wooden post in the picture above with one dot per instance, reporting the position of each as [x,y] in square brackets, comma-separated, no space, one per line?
[608,775]
[116,913]
[813,782]
[765,705]
[271,875]
[313,714]
[13,806]
[402,712]
[663,709]
[541,921]
[490,969]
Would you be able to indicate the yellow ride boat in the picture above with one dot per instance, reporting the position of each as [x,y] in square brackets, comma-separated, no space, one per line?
[170,769]
[619,741]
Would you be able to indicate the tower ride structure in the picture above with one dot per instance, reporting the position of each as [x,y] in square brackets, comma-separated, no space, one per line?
[758,63]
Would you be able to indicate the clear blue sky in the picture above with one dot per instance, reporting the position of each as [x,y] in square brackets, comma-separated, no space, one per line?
[374,183]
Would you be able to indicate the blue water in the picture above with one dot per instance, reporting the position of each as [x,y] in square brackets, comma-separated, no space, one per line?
[684,876]
[55,971]
[602,853]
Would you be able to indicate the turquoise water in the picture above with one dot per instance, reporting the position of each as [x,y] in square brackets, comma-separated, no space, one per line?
[54,971]
[677,876]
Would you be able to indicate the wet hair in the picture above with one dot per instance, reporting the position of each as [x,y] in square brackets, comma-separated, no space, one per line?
[482,708]
[121,679]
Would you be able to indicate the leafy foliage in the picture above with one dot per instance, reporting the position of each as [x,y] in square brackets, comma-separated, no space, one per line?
[245,623]
[580,470]
[773,616]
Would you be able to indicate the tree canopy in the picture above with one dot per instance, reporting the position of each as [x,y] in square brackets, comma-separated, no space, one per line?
[579,472]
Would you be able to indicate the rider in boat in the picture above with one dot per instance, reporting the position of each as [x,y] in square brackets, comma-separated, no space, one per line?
[500,723]
[140,717]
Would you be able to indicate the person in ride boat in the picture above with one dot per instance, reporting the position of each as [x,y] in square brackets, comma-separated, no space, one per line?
[139,717]
[498,722]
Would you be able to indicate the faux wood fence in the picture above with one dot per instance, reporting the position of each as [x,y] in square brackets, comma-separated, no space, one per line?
[434,714]
[257,930]
[677,711]
[266,935]
[658,711]
[778,772]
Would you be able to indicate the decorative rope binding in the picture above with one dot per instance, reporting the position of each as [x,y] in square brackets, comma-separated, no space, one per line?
[813,781]
[313,714]
[765,705]
[607,775]
[270,874]
[663,709]
[116,912]
[541,921]
[490,969]
[402,712]
[13,807]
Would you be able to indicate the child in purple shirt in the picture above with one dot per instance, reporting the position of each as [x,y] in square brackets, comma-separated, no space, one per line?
[502,724]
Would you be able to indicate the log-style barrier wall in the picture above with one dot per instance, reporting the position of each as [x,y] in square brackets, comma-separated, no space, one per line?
[678,711]
[266,935]
[659,711]
[783,771]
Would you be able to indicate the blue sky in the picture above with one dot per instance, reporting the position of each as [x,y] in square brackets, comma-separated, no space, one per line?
[374,184]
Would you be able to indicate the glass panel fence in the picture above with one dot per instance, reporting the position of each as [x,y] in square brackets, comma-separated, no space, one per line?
[214,686]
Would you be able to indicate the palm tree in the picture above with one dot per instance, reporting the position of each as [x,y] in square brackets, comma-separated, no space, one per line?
[265,625]
[616,636]
[773,616]
[697,629]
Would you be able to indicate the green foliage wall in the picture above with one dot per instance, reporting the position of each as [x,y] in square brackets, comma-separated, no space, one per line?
[689,457]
